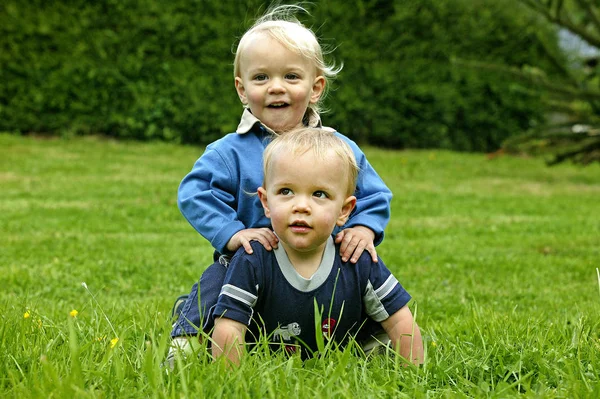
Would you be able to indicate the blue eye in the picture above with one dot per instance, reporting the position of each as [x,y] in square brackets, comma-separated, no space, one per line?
[285,191]
[261,77]
[292,76]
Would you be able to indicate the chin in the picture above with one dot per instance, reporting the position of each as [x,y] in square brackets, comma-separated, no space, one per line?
[298,245]
[303,246]
[281,125]
[280,128]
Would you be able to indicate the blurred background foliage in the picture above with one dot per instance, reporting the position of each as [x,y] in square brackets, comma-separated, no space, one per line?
[572,129]
[454,74]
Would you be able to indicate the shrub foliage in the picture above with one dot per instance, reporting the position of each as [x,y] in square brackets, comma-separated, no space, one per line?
[152,69]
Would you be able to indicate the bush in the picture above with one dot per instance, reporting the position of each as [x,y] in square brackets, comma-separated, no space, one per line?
[399,87]
[151,69]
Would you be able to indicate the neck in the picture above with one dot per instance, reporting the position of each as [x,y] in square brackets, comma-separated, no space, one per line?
[305,263]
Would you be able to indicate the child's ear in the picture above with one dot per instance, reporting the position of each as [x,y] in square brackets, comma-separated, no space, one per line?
[317,89]
[262,195]
[347,207]
[241,91]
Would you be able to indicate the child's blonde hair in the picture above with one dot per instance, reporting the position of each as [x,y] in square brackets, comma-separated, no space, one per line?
[281,24]
[322,143]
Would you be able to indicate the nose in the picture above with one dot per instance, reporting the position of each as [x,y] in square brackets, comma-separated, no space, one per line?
[276,86]
[301,205]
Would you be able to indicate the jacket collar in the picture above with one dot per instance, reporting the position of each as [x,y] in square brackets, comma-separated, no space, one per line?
[248,121]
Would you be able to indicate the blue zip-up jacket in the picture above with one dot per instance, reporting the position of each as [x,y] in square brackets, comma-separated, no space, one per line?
[218,197]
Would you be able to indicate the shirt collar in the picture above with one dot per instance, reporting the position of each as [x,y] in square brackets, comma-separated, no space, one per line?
[249,120]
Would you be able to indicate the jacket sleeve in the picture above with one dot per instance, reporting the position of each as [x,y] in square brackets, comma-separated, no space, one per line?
[373,197]
[207,199]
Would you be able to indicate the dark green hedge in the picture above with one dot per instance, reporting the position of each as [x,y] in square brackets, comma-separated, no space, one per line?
[151,69]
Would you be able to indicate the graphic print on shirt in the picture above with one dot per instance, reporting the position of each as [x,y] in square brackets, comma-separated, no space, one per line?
[328,327]
[286,333]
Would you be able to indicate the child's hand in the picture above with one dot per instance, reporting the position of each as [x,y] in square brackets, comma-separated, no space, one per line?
[263,235]
[354,241]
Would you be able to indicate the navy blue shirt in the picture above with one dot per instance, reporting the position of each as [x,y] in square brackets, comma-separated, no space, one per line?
[263,291]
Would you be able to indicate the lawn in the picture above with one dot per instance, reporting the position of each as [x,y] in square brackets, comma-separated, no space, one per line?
[500,255]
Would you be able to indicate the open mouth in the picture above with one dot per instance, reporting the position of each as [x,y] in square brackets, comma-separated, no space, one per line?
[278,105]
[299,224]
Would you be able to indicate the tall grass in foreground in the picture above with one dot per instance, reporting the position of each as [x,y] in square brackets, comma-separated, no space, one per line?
[500,257]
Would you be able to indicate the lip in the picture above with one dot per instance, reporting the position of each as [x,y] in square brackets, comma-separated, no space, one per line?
[300,227]
[278,105]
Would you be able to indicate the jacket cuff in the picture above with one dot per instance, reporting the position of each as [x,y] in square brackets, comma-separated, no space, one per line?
[220,240]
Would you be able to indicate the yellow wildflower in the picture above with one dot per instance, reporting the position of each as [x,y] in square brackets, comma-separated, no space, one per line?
[434,344]
[73,313]
[27,314]
[113,342]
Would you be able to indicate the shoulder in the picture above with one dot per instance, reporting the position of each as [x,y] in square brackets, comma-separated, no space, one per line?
[232,141]
[258,258]
[367,269]
[344,137]
[235,148]
[355,148]
[362,267]
[254,268]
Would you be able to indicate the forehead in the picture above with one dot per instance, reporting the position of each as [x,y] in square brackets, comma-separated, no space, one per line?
[262,48]
[307,168]
[291,35]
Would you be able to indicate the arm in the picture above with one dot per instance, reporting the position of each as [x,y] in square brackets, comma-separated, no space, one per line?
[405,335]
[206,198]
[373,197]
[386,301]
[364,230]
[234,309]
[209,198]
[228,340]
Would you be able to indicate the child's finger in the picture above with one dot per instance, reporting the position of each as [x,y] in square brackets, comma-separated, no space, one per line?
[358,250]
[272,238]
[247,246]
[340,236]
[349,246]
[265,242]
[373,253]
[267,239]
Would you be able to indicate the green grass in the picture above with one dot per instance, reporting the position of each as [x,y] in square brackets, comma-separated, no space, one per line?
[500,256]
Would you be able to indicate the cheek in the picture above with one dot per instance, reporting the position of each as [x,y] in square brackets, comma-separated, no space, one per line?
[277,216]
[254,96]
[329,218]
[302,95]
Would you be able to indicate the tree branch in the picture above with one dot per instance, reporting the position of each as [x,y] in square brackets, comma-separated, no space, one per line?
[587,7]
[559,65]
[563,21]
[538,80]
[584,155]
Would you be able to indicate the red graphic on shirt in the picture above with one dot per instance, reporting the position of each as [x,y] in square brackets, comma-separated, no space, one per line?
[328,327]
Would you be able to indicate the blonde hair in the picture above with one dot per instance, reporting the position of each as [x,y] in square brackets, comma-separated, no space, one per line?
[282,25]
[320,142]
